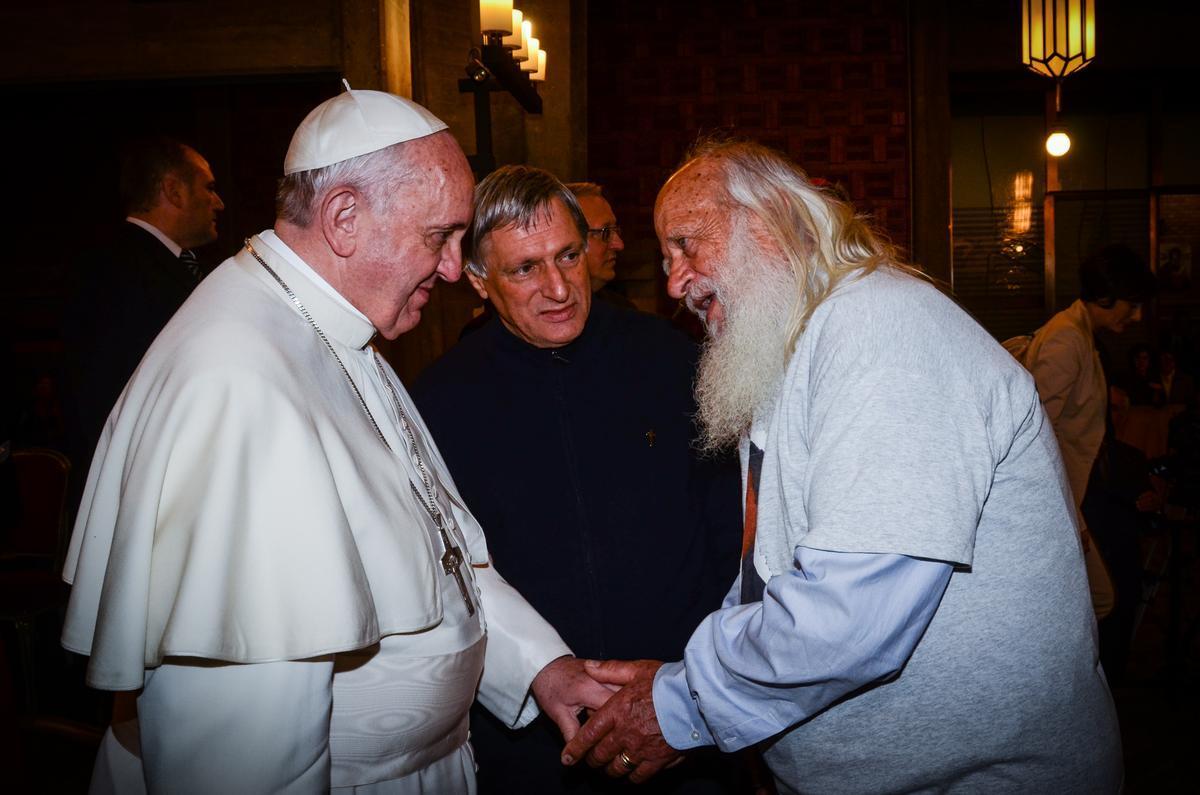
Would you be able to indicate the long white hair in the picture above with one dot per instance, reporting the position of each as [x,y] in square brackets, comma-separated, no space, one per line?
[817,234]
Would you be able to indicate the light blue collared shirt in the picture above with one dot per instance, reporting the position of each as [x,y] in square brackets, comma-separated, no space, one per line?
[836,622]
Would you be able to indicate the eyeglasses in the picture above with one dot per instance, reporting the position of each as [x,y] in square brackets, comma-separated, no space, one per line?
[606,232]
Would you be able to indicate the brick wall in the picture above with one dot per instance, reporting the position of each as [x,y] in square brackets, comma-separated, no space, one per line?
[825,82]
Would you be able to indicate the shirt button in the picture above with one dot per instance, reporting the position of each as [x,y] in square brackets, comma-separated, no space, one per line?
[695,735]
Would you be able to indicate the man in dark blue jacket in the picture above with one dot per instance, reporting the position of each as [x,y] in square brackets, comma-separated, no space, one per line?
[567,424]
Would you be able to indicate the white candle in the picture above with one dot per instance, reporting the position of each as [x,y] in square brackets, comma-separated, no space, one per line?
[531,64]
[540,74]
[513,42]
[495,16]
[526,31]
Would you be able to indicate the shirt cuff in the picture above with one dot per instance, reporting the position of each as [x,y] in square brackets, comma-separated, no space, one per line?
[678,712]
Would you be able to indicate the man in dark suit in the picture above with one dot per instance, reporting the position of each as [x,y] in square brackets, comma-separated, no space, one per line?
[125,292]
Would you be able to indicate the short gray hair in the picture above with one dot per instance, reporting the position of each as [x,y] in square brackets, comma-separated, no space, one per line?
[376,175]
[515,196]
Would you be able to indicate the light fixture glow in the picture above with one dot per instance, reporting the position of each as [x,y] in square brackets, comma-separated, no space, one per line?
[1058,143]
[1058,37]
[1020,217]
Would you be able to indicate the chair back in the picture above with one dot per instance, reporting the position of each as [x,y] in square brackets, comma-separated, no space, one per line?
[39,530]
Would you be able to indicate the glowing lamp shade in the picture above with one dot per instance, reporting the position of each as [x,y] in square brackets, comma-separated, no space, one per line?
[496,17]
[1058,37]
[1058,143]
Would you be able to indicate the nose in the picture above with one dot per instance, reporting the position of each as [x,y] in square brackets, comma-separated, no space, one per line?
[220,205]
[615,242]
[1137,315]
[679,276]
[554,286]
[450,265]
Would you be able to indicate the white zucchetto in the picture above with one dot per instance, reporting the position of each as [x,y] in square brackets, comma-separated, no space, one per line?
[356,123]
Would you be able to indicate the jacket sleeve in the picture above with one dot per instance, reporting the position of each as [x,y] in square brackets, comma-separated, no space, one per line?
[1056,368]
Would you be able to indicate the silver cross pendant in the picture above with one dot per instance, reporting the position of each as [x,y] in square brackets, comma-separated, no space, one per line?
[452,561]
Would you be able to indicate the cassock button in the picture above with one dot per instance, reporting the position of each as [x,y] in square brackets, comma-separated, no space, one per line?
[695,735]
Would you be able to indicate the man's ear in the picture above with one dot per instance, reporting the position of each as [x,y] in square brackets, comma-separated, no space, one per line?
[172,190]
[340,220]
[479,284]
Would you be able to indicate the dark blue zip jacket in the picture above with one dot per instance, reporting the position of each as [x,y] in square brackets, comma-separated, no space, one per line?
[578,462]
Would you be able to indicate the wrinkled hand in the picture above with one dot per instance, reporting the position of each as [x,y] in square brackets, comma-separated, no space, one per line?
[627,724]
[563,688]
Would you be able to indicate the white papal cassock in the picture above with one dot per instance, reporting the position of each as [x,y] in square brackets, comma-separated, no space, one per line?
[251,554]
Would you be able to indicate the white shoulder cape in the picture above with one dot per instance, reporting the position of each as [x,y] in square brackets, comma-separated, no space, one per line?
[239,506]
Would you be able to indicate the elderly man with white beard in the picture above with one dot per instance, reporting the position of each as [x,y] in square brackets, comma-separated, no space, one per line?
[914,613]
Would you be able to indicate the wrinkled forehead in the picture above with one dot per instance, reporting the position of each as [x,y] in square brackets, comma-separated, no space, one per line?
[441,159]
[546,233]
[695,188]
[436,184]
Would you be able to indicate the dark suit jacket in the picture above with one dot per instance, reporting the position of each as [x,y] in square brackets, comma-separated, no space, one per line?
[121,296]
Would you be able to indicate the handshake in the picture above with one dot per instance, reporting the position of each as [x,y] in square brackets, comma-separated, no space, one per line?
[623,735]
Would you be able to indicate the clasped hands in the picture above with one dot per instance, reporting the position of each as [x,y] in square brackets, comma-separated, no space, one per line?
[622,735]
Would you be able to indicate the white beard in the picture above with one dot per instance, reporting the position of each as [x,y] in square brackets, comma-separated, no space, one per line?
[742,362]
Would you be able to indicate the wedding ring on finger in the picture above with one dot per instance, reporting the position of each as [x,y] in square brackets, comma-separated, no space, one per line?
[624,759]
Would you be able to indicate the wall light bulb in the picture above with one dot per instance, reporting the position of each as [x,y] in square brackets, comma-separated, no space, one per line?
[1058,143]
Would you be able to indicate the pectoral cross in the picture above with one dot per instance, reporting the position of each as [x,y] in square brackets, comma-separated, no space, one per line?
[452,558]
[452,561]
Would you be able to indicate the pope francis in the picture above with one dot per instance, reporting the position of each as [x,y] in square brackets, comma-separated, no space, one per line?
[270,550]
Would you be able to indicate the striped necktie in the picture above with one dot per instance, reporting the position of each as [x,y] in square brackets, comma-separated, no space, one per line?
[188,258]
[752,584]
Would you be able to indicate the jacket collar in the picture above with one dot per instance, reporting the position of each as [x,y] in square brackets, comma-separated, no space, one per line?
[1080,317]
[159,235]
